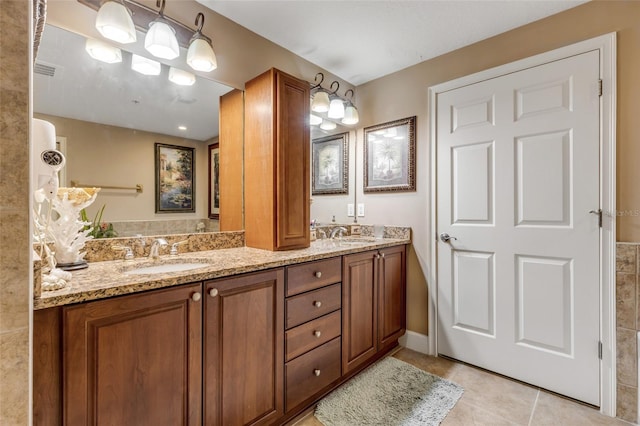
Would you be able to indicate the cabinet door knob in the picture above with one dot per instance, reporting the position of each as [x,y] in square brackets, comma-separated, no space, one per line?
[213,292]
[317,274]
[196,297]
[316,372]
[317,303]
[382,255]
[377,256]
[317,333]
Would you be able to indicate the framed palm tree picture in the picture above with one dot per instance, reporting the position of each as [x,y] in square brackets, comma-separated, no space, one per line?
[390,156]
[330,165]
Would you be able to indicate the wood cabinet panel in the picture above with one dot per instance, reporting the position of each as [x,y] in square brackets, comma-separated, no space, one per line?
[392,295]
[305,337]
[313,275]
[231,159]
[359,311]
[311,372]
[47,367]
[307,306]
[134,359]
[277,162]
[243,364]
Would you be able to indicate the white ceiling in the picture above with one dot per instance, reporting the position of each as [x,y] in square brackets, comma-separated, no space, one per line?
[362,40]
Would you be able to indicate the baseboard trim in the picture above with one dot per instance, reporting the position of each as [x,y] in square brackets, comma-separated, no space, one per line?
[415,341]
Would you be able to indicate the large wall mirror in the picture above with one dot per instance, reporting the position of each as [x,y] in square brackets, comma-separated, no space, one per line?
[108,119]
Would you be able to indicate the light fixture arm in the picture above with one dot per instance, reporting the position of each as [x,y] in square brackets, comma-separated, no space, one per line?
[346,95]
[335,92]
[199,22]
[161,4]
[315,80]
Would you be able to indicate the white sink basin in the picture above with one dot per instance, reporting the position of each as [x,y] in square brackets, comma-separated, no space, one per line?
[165,268]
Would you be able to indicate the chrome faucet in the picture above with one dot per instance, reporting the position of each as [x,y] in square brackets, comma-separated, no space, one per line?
[338,230]
[155,245]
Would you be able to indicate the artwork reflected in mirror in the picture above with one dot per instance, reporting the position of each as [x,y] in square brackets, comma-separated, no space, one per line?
[175,185]
[214,181]
[330,165]
[390,156]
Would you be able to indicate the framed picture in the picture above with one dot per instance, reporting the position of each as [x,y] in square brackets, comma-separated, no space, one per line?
[175,184]
[330,159]
[390,156]
[214,181]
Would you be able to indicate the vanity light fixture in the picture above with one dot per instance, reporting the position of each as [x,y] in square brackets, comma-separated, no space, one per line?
[314,120]
[200,55]
[351,115]
[115,23]
[161,39]
[144,65]
[320,99]
[336,107]
[103,51]
[323,101]
[328,125]
[181,77]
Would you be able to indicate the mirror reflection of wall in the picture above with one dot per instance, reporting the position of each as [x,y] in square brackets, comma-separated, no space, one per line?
[111,117]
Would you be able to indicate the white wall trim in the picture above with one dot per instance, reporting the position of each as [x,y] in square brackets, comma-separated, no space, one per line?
[415,341]
[606,45]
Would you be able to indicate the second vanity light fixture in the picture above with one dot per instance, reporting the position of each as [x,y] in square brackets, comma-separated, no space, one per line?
[116,22]
[323,101]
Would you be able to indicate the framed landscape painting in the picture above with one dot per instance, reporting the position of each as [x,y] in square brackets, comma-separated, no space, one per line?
[390,156]
[330,165]
[175,184]
[214,181]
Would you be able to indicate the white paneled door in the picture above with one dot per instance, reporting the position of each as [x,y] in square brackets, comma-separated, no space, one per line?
[517,177]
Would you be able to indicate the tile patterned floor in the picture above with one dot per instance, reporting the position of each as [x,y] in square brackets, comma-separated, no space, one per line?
[493,400]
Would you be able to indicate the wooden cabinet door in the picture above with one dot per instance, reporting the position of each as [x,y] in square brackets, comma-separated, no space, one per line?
[292,141]
[243,357]
[391,295]
[134,360]
[359,309]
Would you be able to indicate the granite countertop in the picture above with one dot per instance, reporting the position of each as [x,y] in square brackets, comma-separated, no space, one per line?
[106,279]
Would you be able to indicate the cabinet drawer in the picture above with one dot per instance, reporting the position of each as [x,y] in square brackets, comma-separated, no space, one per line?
[307,336]
[311,305]
[313,275]
[311,372]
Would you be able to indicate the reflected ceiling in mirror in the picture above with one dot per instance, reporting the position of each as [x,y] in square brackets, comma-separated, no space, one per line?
[70,83]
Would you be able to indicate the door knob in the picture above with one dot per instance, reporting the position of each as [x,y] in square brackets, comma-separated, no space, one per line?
[445,238]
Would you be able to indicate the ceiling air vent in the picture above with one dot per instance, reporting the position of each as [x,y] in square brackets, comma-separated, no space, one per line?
[44,69]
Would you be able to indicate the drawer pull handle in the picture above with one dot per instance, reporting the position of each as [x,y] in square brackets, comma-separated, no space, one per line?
[316,372]
[317,333]
[213,292]
[317,303]
[196,297]
[317,274]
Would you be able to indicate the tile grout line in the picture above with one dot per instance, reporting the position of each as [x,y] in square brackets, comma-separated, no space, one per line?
[533,409]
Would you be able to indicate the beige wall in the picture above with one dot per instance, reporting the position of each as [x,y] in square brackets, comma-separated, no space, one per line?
[404,94]
[15,277]
[99,154]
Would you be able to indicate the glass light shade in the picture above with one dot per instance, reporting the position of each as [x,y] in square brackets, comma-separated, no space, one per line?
[145,66]
[103,51]
[201,56]
[114,22]
[314,120]
[320,101]
[328,125]
[336,109]
[350,115]
[161,40]
[181,77]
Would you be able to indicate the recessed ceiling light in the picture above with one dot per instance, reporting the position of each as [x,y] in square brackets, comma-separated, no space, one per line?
[182,127]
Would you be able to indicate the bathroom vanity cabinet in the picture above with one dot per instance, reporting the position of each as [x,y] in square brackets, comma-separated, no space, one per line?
[374,304]
[250,349]
[276,180]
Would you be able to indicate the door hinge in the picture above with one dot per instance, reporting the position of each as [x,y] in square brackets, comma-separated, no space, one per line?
[599,350]
[600,87]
